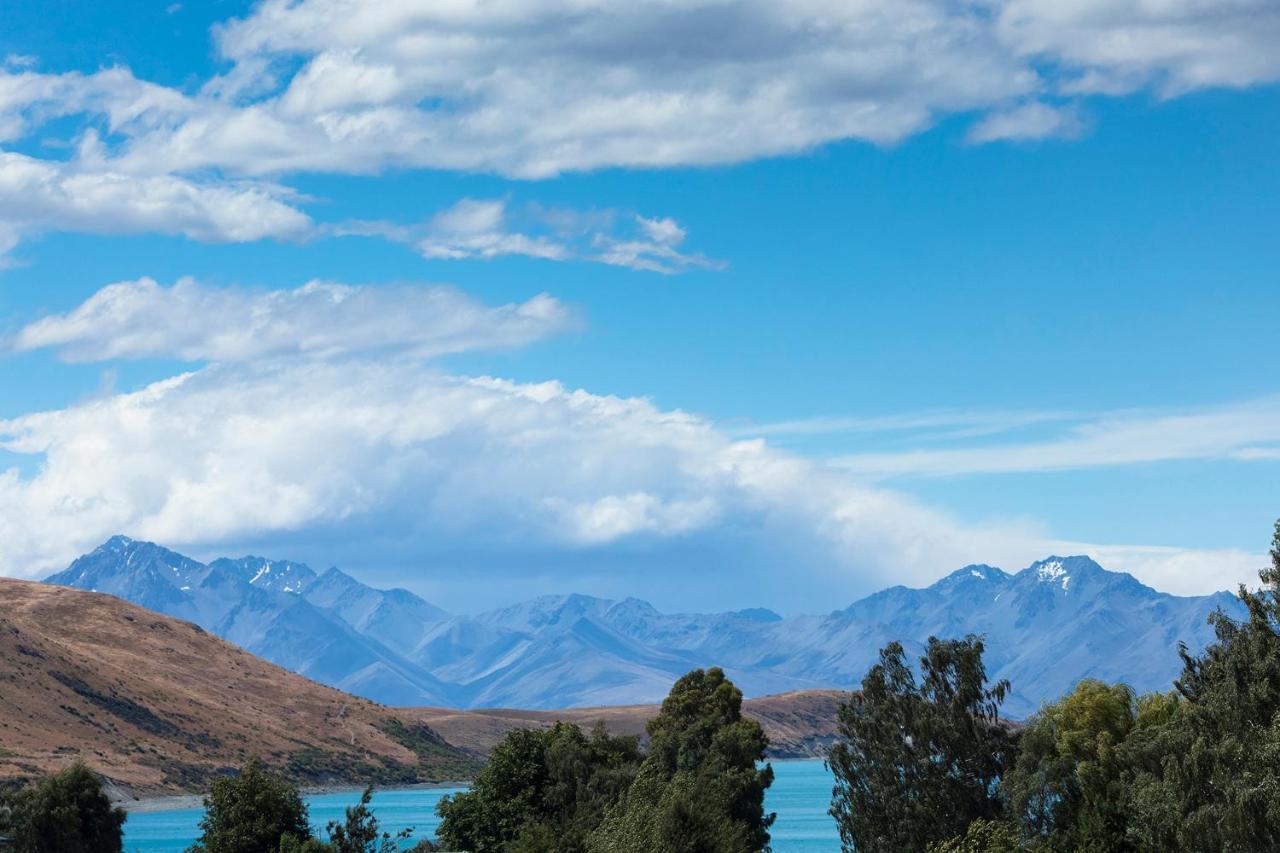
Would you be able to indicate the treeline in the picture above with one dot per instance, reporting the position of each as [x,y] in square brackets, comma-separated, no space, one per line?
[926,763]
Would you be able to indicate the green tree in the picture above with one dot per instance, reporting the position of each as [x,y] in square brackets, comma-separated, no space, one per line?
[1205,776]
[65,813]
[1066,788]
[252,813]
[920,761]
[542,790]
[982,836]
[700,788]
[359,831]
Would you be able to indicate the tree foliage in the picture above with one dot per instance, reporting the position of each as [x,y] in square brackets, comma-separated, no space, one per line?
[252,812]
[541,790]
[982,836]
[920,760]
[700,788]
[1208,776]
[67,812]
[359,831]
[1066,788]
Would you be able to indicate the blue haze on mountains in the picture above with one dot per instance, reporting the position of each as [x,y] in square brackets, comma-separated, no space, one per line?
[1047,626]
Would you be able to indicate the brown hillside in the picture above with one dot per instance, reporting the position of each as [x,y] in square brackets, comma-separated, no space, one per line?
[157,705]
[801,724]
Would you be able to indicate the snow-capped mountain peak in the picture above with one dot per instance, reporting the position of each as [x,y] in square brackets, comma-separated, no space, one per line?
[1057,620]
[1053,571]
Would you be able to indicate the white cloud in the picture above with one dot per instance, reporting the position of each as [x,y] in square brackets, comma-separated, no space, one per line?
[535,89]
[417,466]
[1247,430]
[1030,121]
[486,228]
[477,229]
[934,424]
[192,321]
[238,451]
[1116,46]
[38,195]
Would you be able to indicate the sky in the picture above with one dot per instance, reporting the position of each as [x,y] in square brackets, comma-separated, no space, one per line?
[720,304]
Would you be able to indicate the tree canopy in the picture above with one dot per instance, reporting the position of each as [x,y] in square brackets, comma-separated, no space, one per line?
[920,759]
[67,812]
[252,812]
[540,790]
[700,788]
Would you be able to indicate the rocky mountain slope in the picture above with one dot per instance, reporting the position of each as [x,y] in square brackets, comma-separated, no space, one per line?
[160,705]
[1047,626]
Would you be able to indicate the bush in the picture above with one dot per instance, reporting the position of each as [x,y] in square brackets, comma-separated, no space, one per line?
[66,813]
[252,813]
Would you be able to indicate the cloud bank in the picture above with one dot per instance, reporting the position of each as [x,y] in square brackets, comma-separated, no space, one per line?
[315,421]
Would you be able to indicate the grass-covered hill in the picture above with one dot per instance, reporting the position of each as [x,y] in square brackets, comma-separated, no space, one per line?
[158,705]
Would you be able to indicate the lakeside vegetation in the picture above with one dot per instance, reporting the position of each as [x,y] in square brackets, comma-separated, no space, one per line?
[925,762]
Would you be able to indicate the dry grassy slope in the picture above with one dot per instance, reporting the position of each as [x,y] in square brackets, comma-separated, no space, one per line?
[799,724]
[158,705]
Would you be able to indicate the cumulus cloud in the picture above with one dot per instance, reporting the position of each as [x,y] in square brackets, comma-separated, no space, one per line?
[196,322]
[237,451]
[487,228]
[417,466]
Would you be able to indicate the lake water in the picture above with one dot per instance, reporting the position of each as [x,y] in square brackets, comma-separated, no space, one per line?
[800,795]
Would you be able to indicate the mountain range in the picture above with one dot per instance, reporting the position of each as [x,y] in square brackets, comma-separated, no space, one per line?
[1046,626]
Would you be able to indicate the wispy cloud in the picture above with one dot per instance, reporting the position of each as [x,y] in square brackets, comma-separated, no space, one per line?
[198,322]
[937,424]
[1027,122]
[484,229]
[1244,431]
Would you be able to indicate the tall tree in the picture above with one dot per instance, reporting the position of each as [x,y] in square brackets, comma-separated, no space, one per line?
[252,813]
[1210,771]
[67,812]
[920,760]
[700,788]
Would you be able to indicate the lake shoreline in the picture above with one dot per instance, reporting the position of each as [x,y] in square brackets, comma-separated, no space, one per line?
[176,802]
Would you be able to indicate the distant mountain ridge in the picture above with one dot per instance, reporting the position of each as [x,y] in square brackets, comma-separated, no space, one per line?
[1047,626]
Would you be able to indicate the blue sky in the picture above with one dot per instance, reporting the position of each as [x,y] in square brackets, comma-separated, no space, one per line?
[821,317]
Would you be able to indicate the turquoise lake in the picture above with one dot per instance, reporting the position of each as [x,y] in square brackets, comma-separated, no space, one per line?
[800,795]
